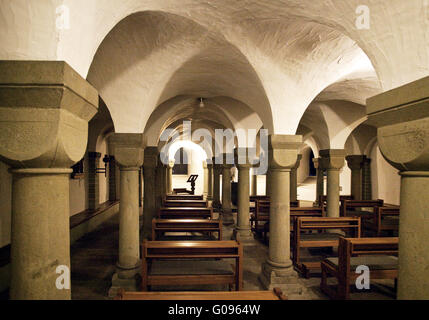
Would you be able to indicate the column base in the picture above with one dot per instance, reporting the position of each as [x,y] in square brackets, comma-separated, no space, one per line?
[227,217]
[286,279]
[245,236]
[131,284]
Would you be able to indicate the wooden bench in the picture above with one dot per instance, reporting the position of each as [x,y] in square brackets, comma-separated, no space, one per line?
[262,215]
[183,197]
[375,253]
[275,294]
[185,213]
[385,218]
[191,263]
[315,232]
[365,209]
[161,226]
[253,199]
[186,203]
[324,199]
[297,212]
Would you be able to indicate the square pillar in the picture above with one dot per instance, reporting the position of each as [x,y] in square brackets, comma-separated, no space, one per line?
[355,163]
[45,107]
[319,180]
[149,174]
[401,116]
[112,178]
[93,184]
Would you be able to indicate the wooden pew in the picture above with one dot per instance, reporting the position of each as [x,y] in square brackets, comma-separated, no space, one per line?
[353,208]
[324,233]
[275,294]
[183,197]
[262,215]
[385,218]
[297,212]
[324,199]
[160,226]
[376,253]
[253,199]
[186,203]
[192,259]
[185,213]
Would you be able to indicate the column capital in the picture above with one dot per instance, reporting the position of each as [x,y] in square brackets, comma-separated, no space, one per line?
[128,149]
[150,157]
[45,107]
[355,162]
[402,118]
[297,162]
[332,158]
[283,150]
[242,158]
[171,163]
[316,162]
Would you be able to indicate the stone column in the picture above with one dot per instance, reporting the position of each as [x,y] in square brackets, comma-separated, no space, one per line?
[254,183]
[268,182]
[45,107]
[209,181]
[217,169]
[226,191]
[149,175]
[128,150]
[93,185]
[140,188]
[206,185]
[366,179]
[355,163]
[402,120]
[278,271]
[294,179]
[159,185]
[319,179]
[333,161]
[112,178]
[243,211]
[170,176]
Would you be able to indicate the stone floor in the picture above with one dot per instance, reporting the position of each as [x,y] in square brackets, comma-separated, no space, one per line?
[93,259]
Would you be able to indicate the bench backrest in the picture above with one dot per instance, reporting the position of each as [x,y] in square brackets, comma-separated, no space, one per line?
[186,203]
[352,225]
[186,225]
[323,199]
[349,204]
[262,207]
[191,249]
[307,211]
[185,213]
[255,198]
[183,197]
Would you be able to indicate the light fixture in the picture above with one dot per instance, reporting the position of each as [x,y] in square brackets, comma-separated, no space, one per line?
[202,103]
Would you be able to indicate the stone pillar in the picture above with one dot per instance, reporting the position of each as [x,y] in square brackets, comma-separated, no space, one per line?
[226,191]
[217,169]
[149,174]
[366,179]
[93,185]
[268,182]
[128,150]
[402,120]
[355,163]
[140,188]
[333,161]
[278,271]
[294,179]
[112,178]
[254,183]
[206,184]
[170,176]
[209,181]
[159,185]
[44,131]
[243,212]
[319,179]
